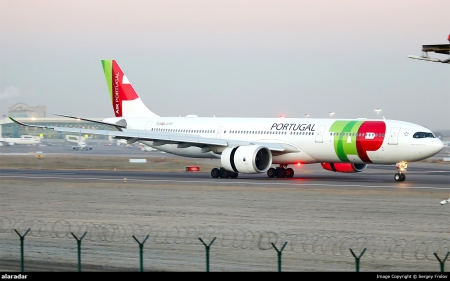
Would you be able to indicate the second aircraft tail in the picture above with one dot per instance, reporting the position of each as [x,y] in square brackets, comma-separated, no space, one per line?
[125,100]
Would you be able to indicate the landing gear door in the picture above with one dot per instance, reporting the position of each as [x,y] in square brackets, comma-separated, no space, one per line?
[148,126]
[393,135]
[219,132]
[319,134]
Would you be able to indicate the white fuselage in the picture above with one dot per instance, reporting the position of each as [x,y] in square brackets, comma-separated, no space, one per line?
[317,140]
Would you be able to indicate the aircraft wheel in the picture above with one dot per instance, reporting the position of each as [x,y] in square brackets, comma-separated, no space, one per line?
[271,173]
[398,177]
[215,173]
[224,174]
[281,173]
[289,172]
[233,175]
[402,177]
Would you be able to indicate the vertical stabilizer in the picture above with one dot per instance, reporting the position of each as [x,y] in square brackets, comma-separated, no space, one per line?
[125,100]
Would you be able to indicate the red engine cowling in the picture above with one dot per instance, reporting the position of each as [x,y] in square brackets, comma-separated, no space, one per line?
[344,167]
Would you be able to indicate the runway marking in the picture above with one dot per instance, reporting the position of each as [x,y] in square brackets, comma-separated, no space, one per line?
[237,182]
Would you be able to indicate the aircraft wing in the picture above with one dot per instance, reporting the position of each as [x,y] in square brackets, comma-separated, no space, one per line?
[119,126]
[161,138]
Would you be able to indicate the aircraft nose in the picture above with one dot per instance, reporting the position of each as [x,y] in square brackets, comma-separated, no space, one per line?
[436,146]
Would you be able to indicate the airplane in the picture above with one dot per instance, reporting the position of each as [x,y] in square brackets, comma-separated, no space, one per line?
[24,139]
[81,145]
[80,142]
[255,145]
[437,48]
[121,142]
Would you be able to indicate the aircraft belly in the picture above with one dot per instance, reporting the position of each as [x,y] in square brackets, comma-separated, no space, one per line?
[194,152]
[293,158]
[322,152]
[355,159]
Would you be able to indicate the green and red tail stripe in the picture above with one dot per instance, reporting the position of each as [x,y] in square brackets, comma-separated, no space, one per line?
[119,86]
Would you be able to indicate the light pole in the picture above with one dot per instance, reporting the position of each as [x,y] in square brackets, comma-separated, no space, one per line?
[378,111]
[331,113]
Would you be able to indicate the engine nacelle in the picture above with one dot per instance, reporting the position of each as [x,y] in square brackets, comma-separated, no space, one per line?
[249,159]
[344,167]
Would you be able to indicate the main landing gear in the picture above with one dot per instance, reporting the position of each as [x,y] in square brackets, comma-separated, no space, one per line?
[280,172]
[222,173]
[401,168]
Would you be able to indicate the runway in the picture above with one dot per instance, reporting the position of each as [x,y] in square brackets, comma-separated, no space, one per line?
[319,214]
[419,175]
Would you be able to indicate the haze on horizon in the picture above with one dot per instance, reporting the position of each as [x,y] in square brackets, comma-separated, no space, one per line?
[230,58]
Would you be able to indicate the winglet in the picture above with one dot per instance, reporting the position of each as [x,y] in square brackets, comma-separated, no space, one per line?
[15,121]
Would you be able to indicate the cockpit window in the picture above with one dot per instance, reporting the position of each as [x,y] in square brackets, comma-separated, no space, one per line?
[421,135]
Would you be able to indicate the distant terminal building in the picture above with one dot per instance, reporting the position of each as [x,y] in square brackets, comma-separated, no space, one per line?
[21,110]
[13,130]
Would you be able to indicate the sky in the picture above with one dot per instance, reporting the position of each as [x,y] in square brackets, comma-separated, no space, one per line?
[230,58]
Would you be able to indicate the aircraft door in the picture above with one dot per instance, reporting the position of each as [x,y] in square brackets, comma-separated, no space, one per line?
[148,126]
[393,135]
[219,132]
[319,134]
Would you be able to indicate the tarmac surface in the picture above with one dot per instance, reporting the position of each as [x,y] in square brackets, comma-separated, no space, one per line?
[319,217]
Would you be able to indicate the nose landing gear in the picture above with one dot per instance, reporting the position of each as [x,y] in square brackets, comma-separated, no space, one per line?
[401,168]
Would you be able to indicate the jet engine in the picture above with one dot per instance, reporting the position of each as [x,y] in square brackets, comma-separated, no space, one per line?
[249,159]
[344,167]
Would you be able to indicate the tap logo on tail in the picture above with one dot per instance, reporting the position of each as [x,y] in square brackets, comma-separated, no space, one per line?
[119,86]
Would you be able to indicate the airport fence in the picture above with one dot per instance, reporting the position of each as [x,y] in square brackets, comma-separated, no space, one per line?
[378,248]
